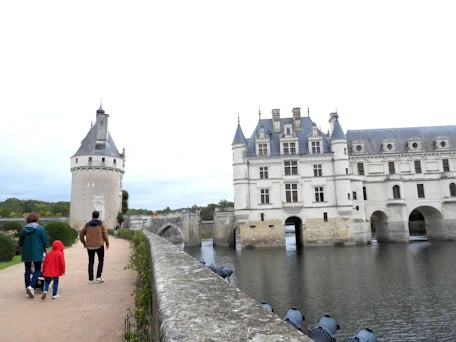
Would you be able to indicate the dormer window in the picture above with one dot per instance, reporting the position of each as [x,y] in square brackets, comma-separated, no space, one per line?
[289,148]
[442,143]
[415,144]
[316,148]
[389,146]
[358,147]
[288,129]
[262,149]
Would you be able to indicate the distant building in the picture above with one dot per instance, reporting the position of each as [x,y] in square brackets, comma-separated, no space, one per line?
[97,170]
[336,188]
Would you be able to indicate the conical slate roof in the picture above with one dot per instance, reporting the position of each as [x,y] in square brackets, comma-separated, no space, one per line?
[239,137]
[338,132]
[88,145]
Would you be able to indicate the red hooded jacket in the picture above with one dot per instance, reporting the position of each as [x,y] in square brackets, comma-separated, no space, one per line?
[54,263]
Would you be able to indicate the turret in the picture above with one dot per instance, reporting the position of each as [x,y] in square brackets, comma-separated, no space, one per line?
[102,128]
[340,157]
[240,175]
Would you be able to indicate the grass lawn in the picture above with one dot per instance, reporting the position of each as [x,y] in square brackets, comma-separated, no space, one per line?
[17,259]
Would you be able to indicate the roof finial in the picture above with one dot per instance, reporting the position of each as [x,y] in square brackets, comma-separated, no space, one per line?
[308,111]
[259,113]
[101,101]
[239,121]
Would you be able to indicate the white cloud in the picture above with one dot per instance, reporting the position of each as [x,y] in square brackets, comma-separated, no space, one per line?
[174,75]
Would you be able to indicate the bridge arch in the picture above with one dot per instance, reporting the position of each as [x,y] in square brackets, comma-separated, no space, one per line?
[428,221]
[379,226]
[296,221]
[169,226]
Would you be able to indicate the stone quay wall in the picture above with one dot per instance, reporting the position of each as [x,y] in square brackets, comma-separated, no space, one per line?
[191,303]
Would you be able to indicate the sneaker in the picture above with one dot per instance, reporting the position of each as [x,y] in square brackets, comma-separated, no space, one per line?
[90,282]
[30,292]
[43,296]
[99,280]
[55,297]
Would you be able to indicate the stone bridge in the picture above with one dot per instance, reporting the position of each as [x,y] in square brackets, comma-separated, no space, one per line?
[176,227]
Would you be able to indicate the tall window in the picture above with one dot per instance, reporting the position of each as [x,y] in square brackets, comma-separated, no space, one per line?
[291,192]
[316,147]
[264,196]
[417,166]
[453,190]
[318,172]
[392,169]
[103,160]
[446,165]
[264,174]
[286,149]
[396,191]
[361,169]
[114,161]
[288,131]
[90,159]
[345,150]
[420,188]
[292,148]
[364,193]
[291,168]
[346,170]
[319,195]
[262,149]
[355,197]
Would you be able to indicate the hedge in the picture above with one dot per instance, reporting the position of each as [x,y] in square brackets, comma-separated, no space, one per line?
[60,231]
[12,225]
[123,233]
[7,248]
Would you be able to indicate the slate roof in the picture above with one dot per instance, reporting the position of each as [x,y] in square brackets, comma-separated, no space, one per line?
[88,145]
[338,132]
[306,128]
[239,137]
[373,138]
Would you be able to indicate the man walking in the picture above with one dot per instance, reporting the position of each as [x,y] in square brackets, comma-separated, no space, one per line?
[93,236]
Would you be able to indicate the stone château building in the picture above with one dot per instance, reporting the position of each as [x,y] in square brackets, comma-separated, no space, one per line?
[97,170]
[335,187]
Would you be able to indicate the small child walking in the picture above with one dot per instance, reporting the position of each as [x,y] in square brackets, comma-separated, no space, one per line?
[53,268]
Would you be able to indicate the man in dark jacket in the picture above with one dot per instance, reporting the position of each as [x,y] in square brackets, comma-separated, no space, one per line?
[33,240]
[93,236]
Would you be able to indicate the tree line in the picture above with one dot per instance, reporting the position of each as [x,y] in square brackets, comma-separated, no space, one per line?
[13,207]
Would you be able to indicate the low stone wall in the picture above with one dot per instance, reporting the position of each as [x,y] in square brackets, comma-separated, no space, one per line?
[43,220]
[191,303]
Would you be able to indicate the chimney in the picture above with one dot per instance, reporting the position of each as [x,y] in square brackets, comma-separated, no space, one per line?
[332,117]
[276,120]
[102,129]
[297,118]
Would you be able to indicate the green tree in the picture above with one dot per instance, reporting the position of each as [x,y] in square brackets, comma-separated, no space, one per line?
[124,201]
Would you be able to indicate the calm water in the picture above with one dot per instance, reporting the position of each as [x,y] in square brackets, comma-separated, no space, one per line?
[404,292]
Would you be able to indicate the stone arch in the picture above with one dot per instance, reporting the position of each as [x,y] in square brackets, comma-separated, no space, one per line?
[379,226]
[296,221]
[236,231]
[426,220]
[167,226]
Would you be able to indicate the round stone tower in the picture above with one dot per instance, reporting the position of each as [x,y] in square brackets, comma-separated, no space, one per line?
[97,170]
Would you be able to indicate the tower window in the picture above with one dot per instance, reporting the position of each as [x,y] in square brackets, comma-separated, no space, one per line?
[345,150]
[346,170]
[102,160]
[446,165]
[90,159]
[325,217]
[115,162]
[361,169]
[392,169]
[364,193]
[76,160]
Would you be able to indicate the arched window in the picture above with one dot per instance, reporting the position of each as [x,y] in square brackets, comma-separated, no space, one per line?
[396,191]
[453,190]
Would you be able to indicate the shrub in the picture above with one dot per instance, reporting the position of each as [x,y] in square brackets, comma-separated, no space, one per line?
[60,231]
[126,234]
[12,225]
[7,248]
[75,233]
[110,231]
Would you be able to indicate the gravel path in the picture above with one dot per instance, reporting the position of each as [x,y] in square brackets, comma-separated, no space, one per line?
[82,313]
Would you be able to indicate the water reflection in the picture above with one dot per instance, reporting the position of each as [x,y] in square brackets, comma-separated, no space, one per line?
[404,292]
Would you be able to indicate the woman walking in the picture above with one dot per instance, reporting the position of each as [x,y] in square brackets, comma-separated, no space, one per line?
[33,240]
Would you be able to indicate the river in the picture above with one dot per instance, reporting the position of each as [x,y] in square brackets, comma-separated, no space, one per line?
[402,291]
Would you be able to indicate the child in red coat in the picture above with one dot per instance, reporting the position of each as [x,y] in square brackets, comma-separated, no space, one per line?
[53,268]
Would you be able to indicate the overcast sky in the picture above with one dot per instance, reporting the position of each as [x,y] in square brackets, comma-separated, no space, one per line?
[174,74]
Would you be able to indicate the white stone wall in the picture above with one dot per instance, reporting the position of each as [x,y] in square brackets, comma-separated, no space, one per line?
[95,185]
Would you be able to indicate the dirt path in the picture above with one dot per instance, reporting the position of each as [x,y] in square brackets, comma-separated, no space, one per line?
[82,313]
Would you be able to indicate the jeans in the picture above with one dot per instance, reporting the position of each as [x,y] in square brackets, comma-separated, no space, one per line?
[28,272]
[55,285]
[100,253]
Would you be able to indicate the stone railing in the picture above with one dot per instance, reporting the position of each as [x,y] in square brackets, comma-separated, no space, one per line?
[191,303]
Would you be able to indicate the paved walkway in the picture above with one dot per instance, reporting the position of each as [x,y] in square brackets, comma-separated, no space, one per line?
[82,313]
